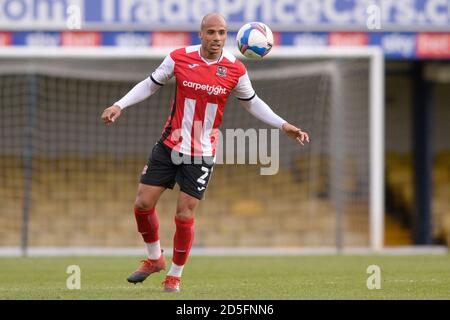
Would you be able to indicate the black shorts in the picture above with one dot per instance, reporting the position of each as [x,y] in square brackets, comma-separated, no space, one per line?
[164,169]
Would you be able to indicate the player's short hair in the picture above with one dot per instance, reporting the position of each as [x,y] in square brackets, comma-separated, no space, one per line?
[210,15]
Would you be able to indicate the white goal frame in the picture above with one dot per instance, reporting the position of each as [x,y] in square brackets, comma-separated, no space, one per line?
[376,100]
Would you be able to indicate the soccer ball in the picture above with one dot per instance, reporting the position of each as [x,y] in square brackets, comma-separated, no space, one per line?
[254,40]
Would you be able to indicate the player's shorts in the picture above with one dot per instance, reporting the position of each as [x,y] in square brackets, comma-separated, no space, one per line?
[191,173]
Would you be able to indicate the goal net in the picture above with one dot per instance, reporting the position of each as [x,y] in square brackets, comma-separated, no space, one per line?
[69,181]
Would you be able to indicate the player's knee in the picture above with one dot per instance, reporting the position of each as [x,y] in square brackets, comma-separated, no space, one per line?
[143,205]
[185,212]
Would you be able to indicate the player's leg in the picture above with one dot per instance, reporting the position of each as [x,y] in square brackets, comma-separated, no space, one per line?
[148,226]
[193,180]
[147,218]
[158,175]
[182,241]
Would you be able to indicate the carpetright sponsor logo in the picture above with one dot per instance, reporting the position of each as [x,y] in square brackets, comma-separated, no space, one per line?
[215,90]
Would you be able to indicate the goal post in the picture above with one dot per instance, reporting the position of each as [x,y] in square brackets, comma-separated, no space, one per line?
[335,185]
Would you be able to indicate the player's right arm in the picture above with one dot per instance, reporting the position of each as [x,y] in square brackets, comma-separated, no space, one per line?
[141,91]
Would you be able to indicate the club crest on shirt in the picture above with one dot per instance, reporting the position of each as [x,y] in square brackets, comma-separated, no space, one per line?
[221,71]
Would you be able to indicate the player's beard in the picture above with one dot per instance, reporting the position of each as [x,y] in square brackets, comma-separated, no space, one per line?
[215,47]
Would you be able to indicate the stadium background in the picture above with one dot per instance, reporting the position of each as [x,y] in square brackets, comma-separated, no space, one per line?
[54,197]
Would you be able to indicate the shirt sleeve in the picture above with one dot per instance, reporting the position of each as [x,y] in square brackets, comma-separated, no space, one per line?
[243,89]
[258,108]
[150,85]
[164,72]
[141,91]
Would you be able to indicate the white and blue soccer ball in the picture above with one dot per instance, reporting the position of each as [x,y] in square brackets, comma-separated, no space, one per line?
[254,40]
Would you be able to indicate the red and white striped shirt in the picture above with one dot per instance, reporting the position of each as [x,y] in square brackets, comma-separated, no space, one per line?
[202,90]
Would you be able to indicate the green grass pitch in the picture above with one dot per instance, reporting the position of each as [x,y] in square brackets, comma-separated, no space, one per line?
[250,277]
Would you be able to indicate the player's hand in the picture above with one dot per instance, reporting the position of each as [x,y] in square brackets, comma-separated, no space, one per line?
[295,133]
[111,114]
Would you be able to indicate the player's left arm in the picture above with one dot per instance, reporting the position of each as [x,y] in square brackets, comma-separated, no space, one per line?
[258,108]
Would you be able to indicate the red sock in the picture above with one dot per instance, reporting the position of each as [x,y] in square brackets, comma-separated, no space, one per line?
[182,241]
[148,224]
